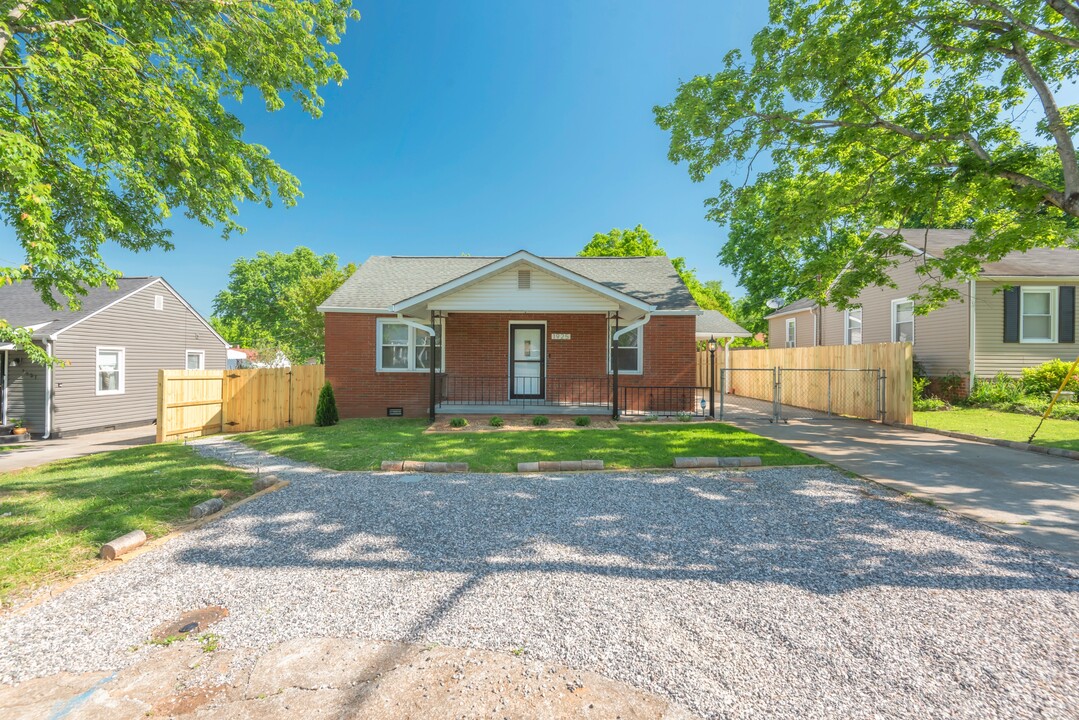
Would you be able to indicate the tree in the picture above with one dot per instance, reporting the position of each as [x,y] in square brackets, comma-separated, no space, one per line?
[896,113]
[638,242]
[113,119]
[326,409]
[271,301]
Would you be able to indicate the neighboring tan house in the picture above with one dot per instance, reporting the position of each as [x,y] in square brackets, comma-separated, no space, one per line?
[251,359]
[1020,312]
[518,333]
[110,351]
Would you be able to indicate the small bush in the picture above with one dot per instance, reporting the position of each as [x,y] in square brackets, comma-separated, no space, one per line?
[921,384]
[930,404]
[1045,379]
[651,418]
[1000,390]
[684,417]
[583,421]
[458,423]
[540,420]
[496,421]
[326,409]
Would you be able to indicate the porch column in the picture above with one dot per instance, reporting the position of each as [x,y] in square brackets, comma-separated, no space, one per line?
[613,350]
[435,361]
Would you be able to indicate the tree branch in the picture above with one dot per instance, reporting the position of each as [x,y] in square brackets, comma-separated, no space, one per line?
[1067,10]
[1018,22]
[14,15]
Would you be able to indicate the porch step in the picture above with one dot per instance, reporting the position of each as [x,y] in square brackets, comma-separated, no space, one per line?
[6,438]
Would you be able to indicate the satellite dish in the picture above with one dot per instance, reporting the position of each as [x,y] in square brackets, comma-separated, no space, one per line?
[774,304]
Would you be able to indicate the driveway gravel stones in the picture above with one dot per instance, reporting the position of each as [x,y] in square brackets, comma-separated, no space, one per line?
[788,592]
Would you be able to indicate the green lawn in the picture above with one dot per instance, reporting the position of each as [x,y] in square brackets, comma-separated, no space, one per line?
[364,444]
[1003,425]
[61,513]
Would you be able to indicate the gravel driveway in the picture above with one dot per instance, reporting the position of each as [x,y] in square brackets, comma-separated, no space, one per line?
[775,593]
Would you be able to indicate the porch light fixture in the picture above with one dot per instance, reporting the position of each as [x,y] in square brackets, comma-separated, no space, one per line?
[712,345]
[15,362]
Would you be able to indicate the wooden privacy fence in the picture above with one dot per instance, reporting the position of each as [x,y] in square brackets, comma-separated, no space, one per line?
[191,403]
[800,377]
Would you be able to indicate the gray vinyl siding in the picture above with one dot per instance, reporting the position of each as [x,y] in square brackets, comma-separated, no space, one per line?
[941,338]
[992,354]
[151,339]
[803,329]
[26,392]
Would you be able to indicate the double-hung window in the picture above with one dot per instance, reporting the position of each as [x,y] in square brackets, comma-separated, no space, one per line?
[853,330]
[1037,315]
[110,371]
[630,351]
[791,331]
[903,320]
[196,360]
[403,348]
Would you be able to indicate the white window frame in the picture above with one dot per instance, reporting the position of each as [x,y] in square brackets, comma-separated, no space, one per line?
[121,363]
[913,320]
[1054,309]
[159,302]
[202,359]
[640,350]
[412,333]
[847,327]
[790,332]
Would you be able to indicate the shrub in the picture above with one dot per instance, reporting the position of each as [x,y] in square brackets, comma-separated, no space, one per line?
[458,423]
[326,409]
[583,421]
[1045,379]
[684,417]
[1001,390]
[950,386]
[496,421]
[930,404]
[651,418]
[921,384]
[540,420]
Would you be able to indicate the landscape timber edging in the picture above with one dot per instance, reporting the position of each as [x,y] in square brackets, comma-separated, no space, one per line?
[717,462]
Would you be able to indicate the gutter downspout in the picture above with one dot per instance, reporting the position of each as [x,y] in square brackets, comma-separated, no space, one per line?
[48,392]
[614,353]
[972,350]
[3,406]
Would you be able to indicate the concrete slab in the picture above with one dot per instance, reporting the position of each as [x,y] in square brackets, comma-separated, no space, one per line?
[1033,496]
[40,452]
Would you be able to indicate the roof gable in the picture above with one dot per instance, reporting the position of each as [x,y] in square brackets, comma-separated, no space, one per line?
[21,304]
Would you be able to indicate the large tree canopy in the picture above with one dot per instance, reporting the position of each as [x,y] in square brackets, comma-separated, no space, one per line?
[271,301]
[866,115]
[638,242]
[112,119]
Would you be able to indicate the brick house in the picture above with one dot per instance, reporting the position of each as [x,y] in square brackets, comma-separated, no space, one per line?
[510,334]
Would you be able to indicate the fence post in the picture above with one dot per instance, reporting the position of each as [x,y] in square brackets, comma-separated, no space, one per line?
[723,390]
[829,392]
[777,394]
[162,377]
[882,395]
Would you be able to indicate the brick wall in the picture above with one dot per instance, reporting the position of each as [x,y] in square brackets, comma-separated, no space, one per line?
[477,345]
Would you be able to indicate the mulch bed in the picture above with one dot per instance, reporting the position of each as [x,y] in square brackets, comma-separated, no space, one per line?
[516,423]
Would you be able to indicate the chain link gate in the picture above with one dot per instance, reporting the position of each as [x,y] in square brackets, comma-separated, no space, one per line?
[783,394]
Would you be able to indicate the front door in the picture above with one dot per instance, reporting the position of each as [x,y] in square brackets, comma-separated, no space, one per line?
[527,361]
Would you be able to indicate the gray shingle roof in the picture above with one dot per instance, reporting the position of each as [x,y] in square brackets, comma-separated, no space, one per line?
[22,306]
[713,322]
[384,280]
[1036,262]
[803,304]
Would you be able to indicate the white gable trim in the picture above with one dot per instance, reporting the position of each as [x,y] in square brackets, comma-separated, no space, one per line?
[509,260]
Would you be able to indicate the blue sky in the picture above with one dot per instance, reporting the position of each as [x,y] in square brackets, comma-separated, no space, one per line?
[482,128]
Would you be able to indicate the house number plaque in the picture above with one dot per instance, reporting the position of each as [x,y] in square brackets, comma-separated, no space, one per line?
[560,336]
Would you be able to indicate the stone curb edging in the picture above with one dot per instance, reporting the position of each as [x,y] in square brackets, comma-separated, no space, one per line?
[419,466]
[559,465]
[712,462]
[1013,444]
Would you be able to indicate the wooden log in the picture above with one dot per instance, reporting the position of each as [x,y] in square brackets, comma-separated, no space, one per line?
[261,482]
[121,545]
[209,507]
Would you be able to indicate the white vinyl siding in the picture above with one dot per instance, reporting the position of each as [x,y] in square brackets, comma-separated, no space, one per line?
[503,292]
[630,351]
[852,333]
[903,320]
[110,371]
[1038,315]
[403,348]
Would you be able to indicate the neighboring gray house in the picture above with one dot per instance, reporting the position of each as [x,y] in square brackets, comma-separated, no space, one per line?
[111,349]
[1018,313]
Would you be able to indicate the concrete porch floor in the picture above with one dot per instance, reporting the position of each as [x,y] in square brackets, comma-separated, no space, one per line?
[521,409]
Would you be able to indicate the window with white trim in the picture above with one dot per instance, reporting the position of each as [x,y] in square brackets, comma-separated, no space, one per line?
[791,330]
[196,360]
[903,320]
[159,302]
[853,330]
[110,371]
[403,348]
[1037,315]
[630,351]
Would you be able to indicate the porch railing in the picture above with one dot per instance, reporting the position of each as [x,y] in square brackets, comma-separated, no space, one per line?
[503,390]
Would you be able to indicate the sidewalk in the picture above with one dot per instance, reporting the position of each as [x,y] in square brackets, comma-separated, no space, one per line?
[1033,496]
[39,452]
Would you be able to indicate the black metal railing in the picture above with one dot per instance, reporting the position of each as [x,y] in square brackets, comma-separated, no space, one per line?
[664,401]
[504,390]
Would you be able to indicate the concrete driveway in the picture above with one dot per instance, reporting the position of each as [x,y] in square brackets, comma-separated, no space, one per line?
[39,452]
[1035,497]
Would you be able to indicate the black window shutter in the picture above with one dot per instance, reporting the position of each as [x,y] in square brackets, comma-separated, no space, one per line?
[1011,315]
[1066,331]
